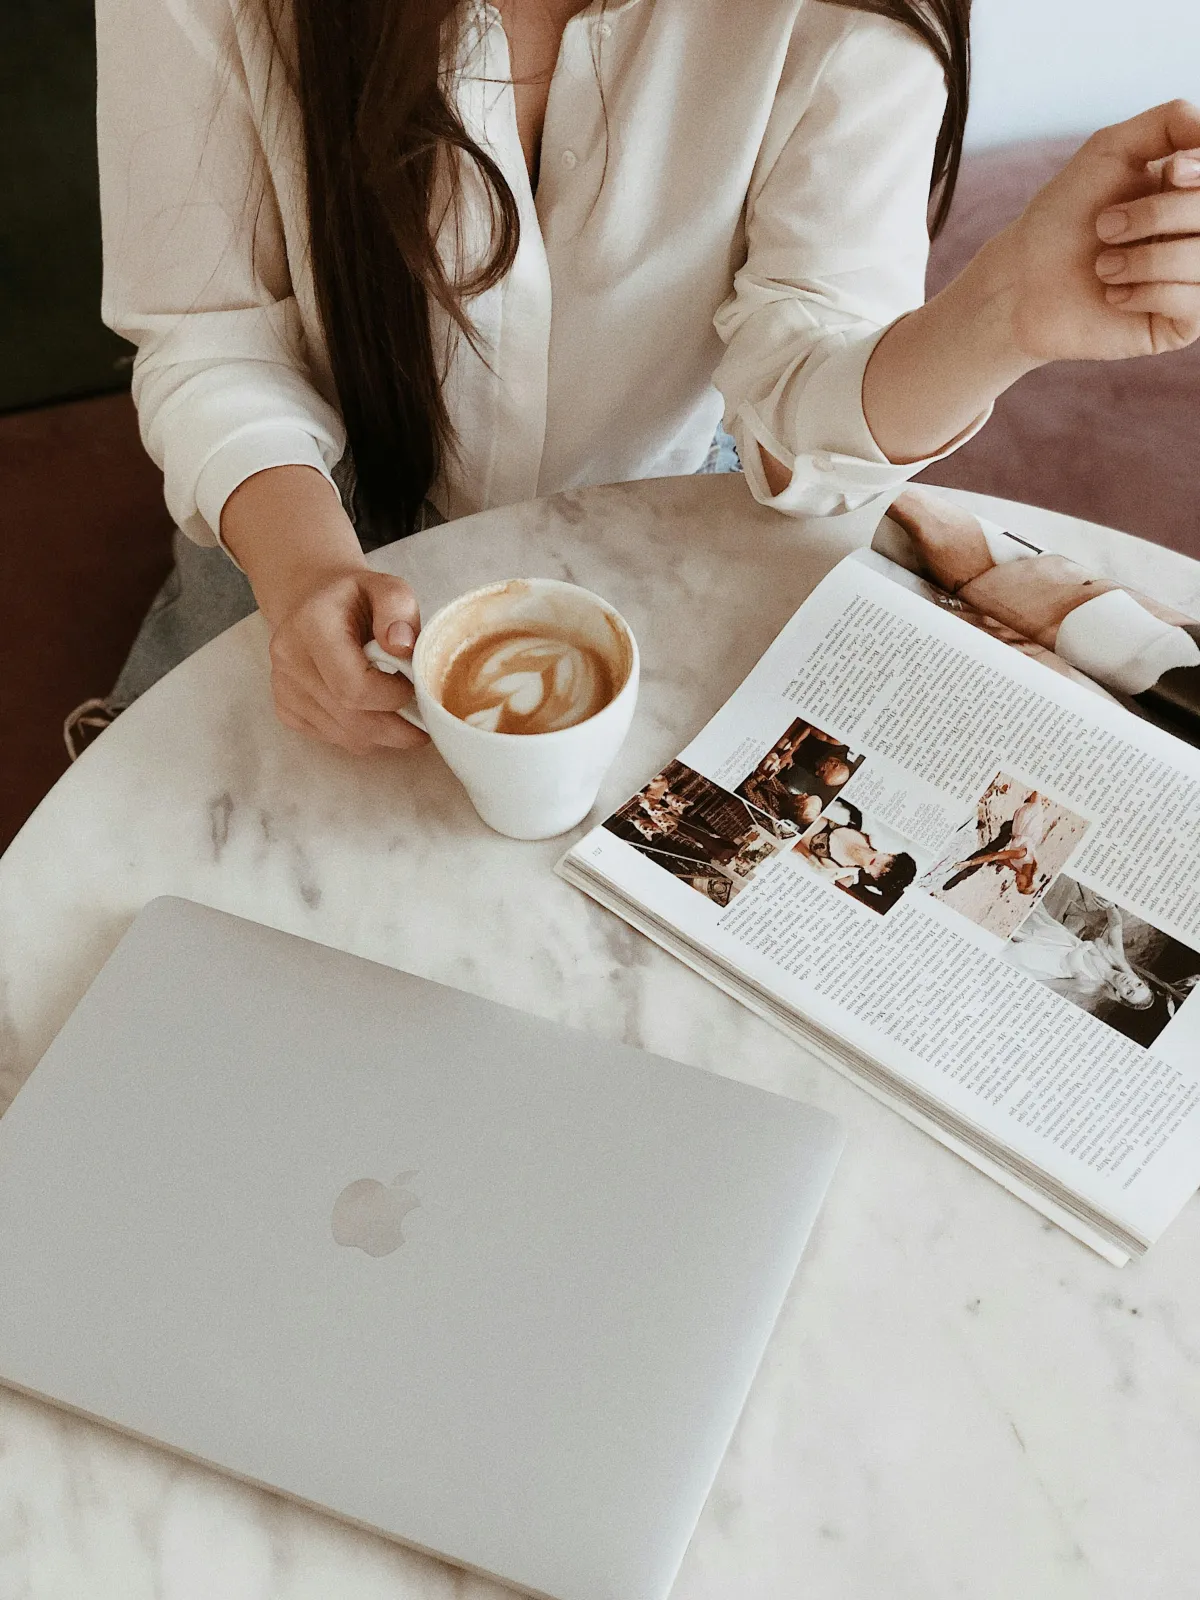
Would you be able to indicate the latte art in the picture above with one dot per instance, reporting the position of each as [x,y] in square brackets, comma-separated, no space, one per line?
[523,681]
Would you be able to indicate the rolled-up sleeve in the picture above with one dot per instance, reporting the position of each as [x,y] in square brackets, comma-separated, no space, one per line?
[836,251]
[196,271]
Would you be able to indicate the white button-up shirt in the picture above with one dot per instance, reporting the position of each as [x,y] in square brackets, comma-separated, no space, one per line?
[731,209]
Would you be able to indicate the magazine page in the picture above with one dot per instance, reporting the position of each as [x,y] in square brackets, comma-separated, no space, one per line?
[968,869]
[1073,620]
[1000,631]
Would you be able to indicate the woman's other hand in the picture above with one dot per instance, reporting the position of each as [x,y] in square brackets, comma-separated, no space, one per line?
[1047,288]
[286,528]
[1105,261]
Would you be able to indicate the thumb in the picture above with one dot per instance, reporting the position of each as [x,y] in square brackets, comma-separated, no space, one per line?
[395,613]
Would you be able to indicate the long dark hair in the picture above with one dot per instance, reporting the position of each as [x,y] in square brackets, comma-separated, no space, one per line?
[379,121]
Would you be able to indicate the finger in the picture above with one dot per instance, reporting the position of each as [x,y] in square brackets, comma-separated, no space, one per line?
[1153,217]
[1154,135]
[383,730]
[299,725]
[395,613]
[303,715]
[1165,261]
[1174,308]
[297,654]
[388,729]
[359,732]
[363,729]
[333,645]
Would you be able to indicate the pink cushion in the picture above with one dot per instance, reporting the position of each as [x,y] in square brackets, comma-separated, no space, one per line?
[1114,442]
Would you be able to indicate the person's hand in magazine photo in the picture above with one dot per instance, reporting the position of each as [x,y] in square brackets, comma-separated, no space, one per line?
[1040,593]
[1111,634]
[1034,593]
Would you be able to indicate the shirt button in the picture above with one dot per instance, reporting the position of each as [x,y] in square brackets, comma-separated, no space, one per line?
[570,160]
[604,29]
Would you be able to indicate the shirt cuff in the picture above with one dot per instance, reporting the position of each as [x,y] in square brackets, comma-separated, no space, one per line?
[252,450]
[1119,643]
[850,469]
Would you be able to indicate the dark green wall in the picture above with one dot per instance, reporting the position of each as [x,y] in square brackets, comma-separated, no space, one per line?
[52,342]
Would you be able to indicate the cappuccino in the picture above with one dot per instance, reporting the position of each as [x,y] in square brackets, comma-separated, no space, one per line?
[528,656]
[526,680]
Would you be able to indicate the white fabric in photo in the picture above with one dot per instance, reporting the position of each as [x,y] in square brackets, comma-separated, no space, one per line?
[1119,643]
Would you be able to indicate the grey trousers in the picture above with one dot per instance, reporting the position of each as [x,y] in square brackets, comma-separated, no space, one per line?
[206,593]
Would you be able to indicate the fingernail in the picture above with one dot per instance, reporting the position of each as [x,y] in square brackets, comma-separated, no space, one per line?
[1112,224]
[400,636]
[1187,169]
[1118,293]
[1110,263]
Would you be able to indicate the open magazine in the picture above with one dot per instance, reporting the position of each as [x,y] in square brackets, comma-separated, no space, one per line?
[969,882]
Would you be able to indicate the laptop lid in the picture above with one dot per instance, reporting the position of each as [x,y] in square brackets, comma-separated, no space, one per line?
[489,1286]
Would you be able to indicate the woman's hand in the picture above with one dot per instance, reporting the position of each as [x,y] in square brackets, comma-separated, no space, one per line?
[322,683]
[1048,288]
[322,603]
[1105,261]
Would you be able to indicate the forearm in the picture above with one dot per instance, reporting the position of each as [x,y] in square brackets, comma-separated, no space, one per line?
[286,528]
[937,369]
[1112,940]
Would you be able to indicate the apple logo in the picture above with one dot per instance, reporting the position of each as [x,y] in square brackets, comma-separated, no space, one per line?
[370,1215]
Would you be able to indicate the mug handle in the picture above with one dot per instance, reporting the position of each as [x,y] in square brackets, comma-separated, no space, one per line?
[382,662]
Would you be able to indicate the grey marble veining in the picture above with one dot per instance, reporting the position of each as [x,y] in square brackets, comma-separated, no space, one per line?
[958,1401]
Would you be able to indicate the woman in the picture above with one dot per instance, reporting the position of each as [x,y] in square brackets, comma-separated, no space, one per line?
[336,231]
[1016,845]
[843,852]
[1080,969]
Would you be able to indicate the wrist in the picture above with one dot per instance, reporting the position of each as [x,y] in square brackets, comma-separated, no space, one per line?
[287,530]
[935,373]
[280,590]
[982,300]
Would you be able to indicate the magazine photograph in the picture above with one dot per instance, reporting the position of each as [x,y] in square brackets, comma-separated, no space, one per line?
[1000,863]
[1104,959]
[861,858]
[708,839]
[800,774]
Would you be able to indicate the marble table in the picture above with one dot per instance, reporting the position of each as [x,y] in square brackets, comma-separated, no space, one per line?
[959,1400]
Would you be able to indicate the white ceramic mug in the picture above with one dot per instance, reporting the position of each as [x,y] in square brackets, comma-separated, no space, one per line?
[526,785]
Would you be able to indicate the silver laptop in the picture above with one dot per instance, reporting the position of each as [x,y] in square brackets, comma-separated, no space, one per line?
[491,1287]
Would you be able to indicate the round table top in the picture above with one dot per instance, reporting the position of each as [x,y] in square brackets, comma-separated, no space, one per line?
[959,1399]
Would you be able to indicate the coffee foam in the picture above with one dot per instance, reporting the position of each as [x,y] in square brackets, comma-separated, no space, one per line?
[526,680]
